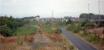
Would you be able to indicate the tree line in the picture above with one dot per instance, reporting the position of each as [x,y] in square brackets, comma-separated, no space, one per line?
[8,25]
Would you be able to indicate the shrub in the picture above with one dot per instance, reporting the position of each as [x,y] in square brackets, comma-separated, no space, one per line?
[74,27]
[8,25]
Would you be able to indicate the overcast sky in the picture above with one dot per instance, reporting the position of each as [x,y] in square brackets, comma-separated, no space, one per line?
[44,8]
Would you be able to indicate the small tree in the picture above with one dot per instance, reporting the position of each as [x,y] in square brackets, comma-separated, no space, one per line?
[68,20]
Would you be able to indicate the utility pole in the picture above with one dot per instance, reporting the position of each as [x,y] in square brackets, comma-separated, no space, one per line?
[88,6]
[99,7]
[52,13]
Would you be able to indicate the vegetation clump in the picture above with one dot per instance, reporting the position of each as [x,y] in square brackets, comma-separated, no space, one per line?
[8,25]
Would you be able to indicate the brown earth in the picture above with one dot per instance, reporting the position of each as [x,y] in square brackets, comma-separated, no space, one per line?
[99,32]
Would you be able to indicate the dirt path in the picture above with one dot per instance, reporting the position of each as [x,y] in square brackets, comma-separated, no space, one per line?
[42,42]
[41,38]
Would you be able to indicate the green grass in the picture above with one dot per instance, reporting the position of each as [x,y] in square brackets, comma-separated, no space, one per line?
[25,30]
[75,27]
[48,29]
[51,28]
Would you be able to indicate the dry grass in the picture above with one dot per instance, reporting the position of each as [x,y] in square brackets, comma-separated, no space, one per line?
[16,43]
[56,37]
[51,48]
[22,43]
[60,42]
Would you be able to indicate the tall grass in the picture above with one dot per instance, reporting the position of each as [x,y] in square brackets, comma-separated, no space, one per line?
[25,30]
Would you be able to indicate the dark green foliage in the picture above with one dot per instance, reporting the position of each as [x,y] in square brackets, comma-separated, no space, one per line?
[68,20]
[75,27]
[9,24]
[4,30]
[83,23]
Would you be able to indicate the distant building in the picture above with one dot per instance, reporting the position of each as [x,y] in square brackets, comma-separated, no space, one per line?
[74,19]
[32,18]
[51,19]
[97,19]
[92,17]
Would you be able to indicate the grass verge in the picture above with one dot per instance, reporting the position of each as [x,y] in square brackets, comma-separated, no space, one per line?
[25,30]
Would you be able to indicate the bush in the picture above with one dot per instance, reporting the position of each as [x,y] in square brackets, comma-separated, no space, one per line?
[57,31]
[5,31]
[9,24]
[74,27]
[93,38]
